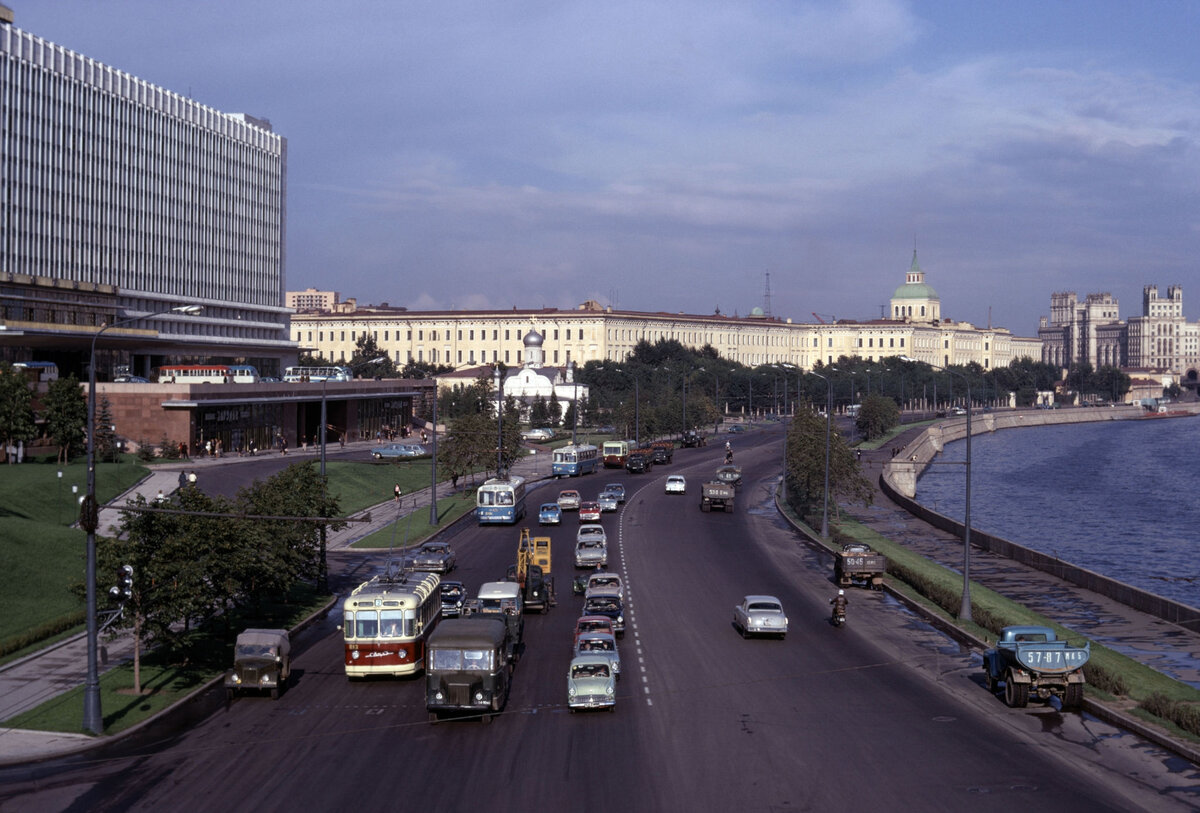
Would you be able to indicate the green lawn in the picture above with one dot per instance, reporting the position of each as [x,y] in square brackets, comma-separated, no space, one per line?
[414,527]
[41,556]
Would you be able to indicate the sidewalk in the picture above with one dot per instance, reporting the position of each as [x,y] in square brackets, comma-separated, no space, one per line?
[41,676]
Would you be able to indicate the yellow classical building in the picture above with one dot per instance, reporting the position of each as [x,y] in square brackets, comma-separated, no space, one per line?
[915,328]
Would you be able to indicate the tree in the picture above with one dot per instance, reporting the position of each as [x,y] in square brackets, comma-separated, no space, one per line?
[16,409]
[64,410]
[877,415]
[106,436]
[366,349]
[806,467]
[539,413]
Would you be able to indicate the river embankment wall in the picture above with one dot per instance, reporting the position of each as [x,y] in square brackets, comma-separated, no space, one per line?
[899,482]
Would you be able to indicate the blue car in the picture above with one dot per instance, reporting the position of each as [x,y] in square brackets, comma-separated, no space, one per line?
[549,514]
[394,450]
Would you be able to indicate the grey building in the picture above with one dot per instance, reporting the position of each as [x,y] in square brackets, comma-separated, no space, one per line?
[118,199]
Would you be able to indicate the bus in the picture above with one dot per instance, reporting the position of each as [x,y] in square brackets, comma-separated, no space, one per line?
[387,620]
[573,461]
[194,374]
[501,501]
[300,374]
[243,374]
[37,371]
[615,452]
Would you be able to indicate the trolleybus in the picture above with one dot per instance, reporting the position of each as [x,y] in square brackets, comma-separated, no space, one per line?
[194,374]
[500,501]
[386,622]
[615,452]
[572,461]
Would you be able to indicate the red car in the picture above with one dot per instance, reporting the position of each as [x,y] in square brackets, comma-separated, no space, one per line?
[591,623]
[589,511]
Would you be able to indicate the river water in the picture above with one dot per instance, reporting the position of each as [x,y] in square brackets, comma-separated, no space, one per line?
[1121,498]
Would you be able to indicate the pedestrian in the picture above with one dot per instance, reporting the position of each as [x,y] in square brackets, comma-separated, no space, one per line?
[454,481]
[397,492]
[192,477]
[207,448]
[160,496]
[182,478]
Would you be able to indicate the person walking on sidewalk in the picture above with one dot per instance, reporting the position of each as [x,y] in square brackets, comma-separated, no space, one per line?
[397,492]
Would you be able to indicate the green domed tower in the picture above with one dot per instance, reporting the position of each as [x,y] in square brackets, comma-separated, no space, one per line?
[914,301]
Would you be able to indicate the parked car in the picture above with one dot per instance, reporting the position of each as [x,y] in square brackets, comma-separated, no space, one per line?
[454,596]
[591,552]
[262,661]
[549,514]
[537,434]
[608,501]
[394,450]
[131,379]
[616,488]
[600,643]
[568,499]
[436,557]
[589,511]
[958,410]
[676,484]
[760,615]
[591,683]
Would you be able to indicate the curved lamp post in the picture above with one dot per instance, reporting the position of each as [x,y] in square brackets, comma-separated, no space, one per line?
[828,422]
[89,519]
[964,612]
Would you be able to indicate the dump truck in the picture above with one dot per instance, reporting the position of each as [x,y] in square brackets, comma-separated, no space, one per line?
[730,474]
[857,563]
[662,451]
[1033,660]
[715,494]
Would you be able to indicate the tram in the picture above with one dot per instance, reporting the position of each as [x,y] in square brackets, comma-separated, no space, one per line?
[615,452]
[386,622]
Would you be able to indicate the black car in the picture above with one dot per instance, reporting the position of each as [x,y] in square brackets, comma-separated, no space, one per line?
[454,596]
[609,605]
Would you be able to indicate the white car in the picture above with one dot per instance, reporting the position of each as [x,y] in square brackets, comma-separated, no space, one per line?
[676,484]
[604,583]
[537,434]
[760,615]
[591,531]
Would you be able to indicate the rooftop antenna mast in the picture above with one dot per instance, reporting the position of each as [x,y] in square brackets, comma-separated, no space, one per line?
[767,297]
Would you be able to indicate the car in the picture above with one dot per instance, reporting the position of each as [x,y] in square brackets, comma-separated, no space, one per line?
[608,501]
[589,511]
[760,615]
[606,430]
[591,531]
[608,605]
[736,429]
[616,488]
[131,379]
[591,683]
[568,499]
[592,623]
[603,581]
[676,484]
[591,553]
[537,434]
[395,450]
[268,379]
[958,410]
[435,557]
[600,643]
[549,514]
[454,596]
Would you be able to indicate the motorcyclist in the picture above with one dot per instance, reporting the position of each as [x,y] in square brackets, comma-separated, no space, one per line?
[839,603]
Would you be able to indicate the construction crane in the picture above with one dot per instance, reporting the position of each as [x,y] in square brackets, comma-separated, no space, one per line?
[830,316]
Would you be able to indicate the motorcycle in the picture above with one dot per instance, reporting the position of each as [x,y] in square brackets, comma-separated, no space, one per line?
[839,617]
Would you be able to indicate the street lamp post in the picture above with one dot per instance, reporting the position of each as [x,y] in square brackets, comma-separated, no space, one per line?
[828,429]
[89,519]
[499,422]
[964,613]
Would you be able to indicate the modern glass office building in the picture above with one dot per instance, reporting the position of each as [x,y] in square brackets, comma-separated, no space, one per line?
[119,198]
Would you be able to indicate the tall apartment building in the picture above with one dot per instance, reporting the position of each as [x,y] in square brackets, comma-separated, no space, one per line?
[310,299]
[119,198]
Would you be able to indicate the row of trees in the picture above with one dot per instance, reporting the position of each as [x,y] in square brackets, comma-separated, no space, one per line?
[61,419]
[197,557]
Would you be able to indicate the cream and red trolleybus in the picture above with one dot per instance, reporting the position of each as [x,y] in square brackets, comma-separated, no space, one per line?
[386,622]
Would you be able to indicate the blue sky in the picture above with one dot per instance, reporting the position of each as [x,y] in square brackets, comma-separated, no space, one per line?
[668,155]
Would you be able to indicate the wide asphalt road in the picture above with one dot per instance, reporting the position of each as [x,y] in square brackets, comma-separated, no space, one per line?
[883,713]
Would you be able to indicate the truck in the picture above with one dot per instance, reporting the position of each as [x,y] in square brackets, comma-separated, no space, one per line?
[662,451]
[856,562]
[691,439]
[468,667]
[502,600]
[730,475]
[1032,659]
[715,494]
[532,572]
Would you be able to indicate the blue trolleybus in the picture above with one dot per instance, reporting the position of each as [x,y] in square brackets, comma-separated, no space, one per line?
[500,501]
[573,461]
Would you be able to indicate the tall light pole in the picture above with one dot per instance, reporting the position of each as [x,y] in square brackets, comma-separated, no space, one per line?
[964,613]
[433,512]
[499,421]
[828,427]
[89,519]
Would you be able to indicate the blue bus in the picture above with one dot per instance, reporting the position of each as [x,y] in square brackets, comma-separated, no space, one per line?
[573,461]
[501,501]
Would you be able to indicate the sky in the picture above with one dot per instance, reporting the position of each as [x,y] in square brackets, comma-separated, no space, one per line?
[690,156]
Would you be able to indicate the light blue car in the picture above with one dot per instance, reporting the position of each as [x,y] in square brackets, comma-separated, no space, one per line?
[394,450]
[549,514]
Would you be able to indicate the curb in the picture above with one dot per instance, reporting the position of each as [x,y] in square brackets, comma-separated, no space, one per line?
[1096,708]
